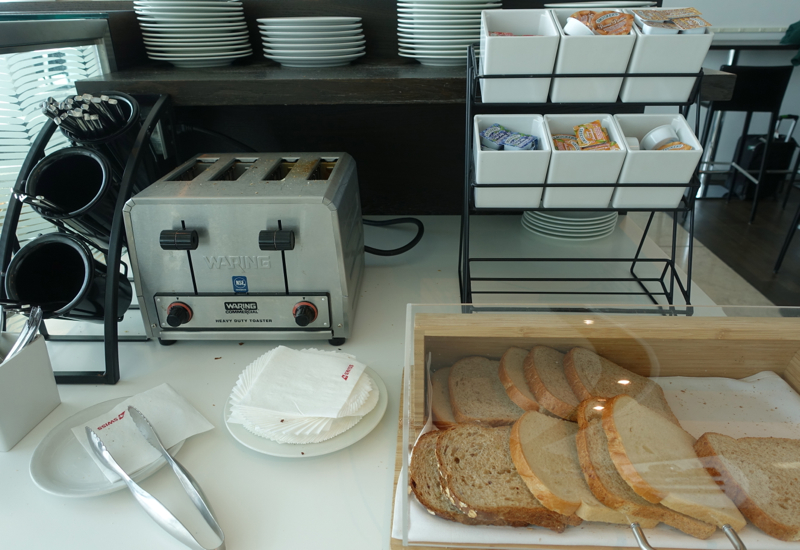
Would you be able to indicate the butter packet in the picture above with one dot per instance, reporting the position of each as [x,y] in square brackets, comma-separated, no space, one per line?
[590,134]
[675,146]
[493,136]
[520,142]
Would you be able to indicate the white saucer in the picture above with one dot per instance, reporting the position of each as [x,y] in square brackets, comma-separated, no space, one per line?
[575,217]
[308,34]
[308,28]
[564,237]
[354,434]
[313,46]
[62,467]
[308,21]
[589,231]
[311,53]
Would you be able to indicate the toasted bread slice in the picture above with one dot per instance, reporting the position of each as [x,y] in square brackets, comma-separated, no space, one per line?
[477,396]
[590,375]
[423,475]
[657,459]
[608,486]
[440,400]
[761,475]
[477,472]
[512,376]
[544,373]
[544,453]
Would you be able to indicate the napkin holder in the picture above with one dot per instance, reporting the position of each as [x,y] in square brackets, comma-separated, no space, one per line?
[28,391]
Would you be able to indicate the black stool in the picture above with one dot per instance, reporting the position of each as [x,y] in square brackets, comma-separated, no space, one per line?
[757,90]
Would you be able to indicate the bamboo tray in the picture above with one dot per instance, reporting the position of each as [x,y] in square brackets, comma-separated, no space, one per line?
[650,345]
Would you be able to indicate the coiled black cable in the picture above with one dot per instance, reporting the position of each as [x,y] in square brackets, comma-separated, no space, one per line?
[402,249]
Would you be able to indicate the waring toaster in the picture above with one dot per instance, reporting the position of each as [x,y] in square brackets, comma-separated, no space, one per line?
[249,246]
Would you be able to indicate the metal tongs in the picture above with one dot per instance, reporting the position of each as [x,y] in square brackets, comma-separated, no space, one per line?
[28,333]
[152,505]
[727,529]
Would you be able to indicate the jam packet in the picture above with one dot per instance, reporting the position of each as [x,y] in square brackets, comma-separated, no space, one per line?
[675,146]
[565,142]
[611,22]
[590,134]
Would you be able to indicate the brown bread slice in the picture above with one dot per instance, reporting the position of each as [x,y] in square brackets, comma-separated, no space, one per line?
[762,477]
[590,375]
[440,399]
[608,486]
[423,474]
[478,474]
[544,452]
[512,376]
[657,459]
[477,396]
[544,373]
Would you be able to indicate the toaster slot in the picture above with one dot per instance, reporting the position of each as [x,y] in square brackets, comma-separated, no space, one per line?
[200,166]
[235,170]
[282,169]
[323,169]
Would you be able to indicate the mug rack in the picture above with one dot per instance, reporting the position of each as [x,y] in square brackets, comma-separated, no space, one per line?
[160,113]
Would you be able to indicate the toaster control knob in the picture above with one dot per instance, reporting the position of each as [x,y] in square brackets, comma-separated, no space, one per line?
[276,240]
[178,240]
[178,314]
[304,313]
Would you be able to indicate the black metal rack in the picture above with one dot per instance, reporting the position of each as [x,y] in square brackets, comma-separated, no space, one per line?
[160,113]
[668,278]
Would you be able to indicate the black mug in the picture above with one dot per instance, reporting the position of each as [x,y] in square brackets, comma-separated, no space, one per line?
[81,186]
[58,272]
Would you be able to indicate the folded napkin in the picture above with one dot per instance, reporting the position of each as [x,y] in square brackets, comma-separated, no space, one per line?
[304,396]
[173,418]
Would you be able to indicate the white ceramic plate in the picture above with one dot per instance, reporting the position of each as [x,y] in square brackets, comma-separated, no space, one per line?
[565,237]
[436,29]
[437,61]
[308,34]
[413,39]
[184,10]
[195,36]
[62,467]
[309,28]
[195,42]
[330,40]
[194,27]
[618,4]
[188,56]
[572,217]
[448,2]
[451,48]
[341,441]
[186,20]
[450,18]
[305,47]
[311,58]
[198,52]
[189,4]
[308,21]
[567,232]
[311,53]
[408,12]
[454,6]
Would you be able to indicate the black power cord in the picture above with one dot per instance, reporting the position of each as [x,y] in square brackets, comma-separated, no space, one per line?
[402,249]
[183,128]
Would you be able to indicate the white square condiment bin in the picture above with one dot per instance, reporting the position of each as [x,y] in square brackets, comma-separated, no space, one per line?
[655,166]
[28,391]
[517,55]
[511,166]
[582,166]
[589,54]
[664,53]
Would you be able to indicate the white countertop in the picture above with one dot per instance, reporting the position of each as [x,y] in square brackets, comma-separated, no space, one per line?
[341,500]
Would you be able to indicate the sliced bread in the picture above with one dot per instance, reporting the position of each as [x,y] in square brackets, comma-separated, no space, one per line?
[762,477]
[657,459]
[478,474]
[477,396]
[544,453]
[544,373]
[512,376]
[440,399]
[608,486]
[590,375]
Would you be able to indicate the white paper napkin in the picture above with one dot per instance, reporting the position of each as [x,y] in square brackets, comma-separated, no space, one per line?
[173,418]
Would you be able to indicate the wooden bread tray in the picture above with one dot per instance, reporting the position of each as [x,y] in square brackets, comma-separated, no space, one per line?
[732,347]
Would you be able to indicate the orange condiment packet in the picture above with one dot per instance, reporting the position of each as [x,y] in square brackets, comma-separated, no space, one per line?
[689,23]
[584,16]
[611,22]
[565,142]
[590,134]
[610,146]
[666,14]
[675,146]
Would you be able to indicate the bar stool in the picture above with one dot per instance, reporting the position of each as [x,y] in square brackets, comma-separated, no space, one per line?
[757,90]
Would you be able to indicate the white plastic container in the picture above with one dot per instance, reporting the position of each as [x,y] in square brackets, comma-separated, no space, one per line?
[582,166]
[511,166]
[28,391]
[655,167]
[589,54]
[664,53]
[517,55]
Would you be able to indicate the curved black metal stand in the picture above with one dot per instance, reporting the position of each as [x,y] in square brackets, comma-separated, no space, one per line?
[161,111]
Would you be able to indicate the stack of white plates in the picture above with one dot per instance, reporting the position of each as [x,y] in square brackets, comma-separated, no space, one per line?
[312,41]
[571,226]
[193,33]
[438,32]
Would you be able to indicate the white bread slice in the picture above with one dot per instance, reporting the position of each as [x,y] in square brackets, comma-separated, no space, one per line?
[544,373]
[423,476]
[544,453]
[477,396]
[762,477]
[512,376]
[590,375]
[608,486]
[440,399]
[656,458]
[478,474]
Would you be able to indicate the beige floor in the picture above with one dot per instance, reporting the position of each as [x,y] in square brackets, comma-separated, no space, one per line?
[722,284]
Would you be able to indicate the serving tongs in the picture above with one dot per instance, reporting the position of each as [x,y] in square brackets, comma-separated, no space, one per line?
[641,540]
[151,504]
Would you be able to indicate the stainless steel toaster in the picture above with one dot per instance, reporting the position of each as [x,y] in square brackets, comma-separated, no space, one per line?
[249,246]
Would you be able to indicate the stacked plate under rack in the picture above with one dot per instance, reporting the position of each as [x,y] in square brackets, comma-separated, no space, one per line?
[438,32]
[312,41]
[571,226]
[193,33]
